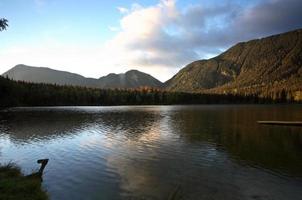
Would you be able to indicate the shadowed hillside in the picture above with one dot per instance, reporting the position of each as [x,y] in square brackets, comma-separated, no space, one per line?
[261,66]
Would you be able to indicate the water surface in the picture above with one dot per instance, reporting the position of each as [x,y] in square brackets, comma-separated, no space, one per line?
[148,152]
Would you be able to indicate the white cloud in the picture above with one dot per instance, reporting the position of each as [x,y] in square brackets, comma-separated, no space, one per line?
[123,10]
[163,36]
[145,41]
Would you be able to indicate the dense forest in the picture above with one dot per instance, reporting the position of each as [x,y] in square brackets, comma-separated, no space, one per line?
[18,93]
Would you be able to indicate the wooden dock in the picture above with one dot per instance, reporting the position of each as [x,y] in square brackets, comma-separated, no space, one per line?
[281,123]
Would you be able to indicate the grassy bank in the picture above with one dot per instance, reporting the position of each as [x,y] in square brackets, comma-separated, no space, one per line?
[15,186]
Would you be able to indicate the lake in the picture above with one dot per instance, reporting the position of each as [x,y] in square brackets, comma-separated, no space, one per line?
[153,152]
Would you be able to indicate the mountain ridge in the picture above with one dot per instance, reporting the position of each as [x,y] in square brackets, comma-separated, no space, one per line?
[259,63]
[129,79]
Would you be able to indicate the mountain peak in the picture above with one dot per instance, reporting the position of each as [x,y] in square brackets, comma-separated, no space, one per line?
[130,79]
[133,71]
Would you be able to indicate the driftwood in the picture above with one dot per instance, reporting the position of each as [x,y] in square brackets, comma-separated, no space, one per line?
[39,174]
[43,163]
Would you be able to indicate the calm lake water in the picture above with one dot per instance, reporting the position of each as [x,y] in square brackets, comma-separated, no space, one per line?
[149,152]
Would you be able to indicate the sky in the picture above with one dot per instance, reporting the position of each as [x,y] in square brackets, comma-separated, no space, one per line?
[97,37]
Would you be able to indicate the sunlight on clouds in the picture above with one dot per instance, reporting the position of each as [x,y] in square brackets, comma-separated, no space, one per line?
[140,41]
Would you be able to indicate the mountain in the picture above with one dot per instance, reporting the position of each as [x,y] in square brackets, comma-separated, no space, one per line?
[249,67]
[47,75]
[130,79]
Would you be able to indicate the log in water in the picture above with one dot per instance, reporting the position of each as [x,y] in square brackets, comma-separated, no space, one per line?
[281,123]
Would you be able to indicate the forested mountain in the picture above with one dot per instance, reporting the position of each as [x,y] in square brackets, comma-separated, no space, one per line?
[130,79]
[263,66]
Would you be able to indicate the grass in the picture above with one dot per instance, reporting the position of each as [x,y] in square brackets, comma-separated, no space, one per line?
[15,186]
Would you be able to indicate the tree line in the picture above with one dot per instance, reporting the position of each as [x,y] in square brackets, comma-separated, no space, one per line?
[19,93]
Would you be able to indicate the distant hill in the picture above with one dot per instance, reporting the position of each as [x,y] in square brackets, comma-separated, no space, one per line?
[271,63]
[47,75]
[131,79]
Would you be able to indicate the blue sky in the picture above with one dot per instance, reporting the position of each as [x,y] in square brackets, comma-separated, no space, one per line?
[94,38]
[81,21]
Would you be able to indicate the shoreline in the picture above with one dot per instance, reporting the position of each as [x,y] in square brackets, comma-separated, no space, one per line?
[14,185]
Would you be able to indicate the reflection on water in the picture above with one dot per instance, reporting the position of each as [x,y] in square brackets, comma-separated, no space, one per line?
[208,152]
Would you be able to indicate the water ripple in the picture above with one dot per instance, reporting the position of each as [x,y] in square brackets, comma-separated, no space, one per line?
[145,152]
